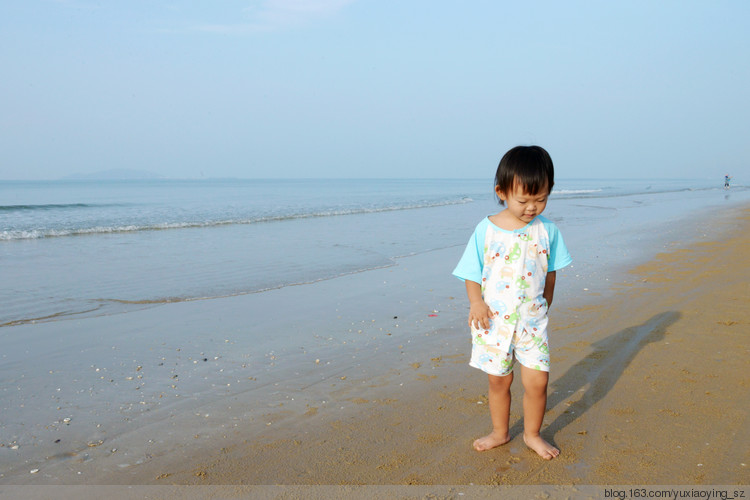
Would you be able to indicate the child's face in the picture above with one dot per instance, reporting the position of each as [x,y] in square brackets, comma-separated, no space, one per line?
[524,206]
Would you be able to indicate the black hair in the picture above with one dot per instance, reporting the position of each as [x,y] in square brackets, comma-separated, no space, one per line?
[529,166]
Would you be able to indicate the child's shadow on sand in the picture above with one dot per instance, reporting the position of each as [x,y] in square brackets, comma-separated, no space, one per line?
[601,369]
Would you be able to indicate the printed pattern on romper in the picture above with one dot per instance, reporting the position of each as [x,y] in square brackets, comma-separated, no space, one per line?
[513,276]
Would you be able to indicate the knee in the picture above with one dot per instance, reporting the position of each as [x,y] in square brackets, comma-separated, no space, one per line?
[500,383]
[536,385]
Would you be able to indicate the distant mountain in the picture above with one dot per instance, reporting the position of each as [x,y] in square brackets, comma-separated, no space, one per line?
[119,174]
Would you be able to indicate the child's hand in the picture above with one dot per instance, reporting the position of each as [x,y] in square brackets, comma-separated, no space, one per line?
[480,315]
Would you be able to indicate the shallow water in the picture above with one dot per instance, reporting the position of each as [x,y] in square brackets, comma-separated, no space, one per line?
[71,248]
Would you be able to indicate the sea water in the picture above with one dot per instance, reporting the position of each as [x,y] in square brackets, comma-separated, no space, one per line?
[77,248]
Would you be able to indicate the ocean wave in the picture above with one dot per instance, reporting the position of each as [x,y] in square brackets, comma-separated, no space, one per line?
[50,206]
[28,234]
[619,192]
[558,192]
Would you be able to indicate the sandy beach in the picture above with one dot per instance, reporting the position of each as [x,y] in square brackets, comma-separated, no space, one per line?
[654,390]
[649,384]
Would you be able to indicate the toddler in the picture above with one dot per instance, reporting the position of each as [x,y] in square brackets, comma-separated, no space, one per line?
[509,269]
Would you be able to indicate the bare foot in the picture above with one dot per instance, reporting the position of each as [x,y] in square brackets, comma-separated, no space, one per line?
[542,447]
[490,441]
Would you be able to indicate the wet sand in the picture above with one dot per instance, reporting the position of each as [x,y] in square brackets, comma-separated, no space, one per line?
[649,387]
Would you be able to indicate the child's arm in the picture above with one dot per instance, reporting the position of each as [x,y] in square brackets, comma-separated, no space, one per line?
[479,311]
[549,287]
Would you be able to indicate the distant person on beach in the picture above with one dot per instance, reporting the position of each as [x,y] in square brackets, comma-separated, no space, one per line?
[726,181]
[509,268]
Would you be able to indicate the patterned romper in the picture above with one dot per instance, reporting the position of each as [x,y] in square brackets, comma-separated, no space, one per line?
[511,267]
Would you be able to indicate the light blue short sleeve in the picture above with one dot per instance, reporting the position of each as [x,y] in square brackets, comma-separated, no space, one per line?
[472,262]
[559,256]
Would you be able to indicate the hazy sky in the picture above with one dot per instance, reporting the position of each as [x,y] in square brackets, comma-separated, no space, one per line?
[373,88]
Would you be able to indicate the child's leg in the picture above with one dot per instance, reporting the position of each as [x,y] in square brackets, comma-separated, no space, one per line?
[534,406]
[499,397]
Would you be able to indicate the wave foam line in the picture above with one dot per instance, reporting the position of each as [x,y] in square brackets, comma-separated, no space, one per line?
[49,317]
[575,191]
[51,206]
[594,193]
[102,303]
[54,233]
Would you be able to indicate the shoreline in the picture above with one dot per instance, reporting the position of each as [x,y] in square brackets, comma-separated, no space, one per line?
[626,398]
[386,410]
[404,440]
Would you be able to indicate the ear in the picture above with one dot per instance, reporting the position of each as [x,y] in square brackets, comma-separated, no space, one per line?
[500,194]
